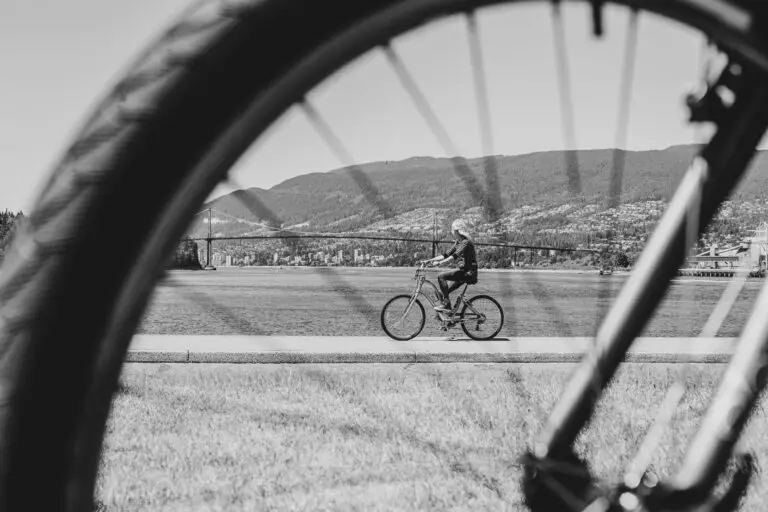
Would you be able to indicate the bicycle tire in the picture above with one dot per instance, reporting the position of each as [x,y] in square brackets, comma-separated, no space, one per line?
[417,302]
[469,332]
[159,125]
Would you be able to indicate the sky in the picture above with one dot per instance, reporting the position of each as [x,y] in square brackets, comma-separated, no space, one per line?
[58,58]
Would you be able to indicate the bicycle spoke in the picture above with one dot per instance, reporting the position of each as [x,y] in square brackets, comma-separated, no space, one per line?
[367,187]
[725,304]
[566,103]
[216,309]
[619,151]
[460,166]
[674,396]
[253,204]
[494,205]
[355,298]
[727,412]
[566,107]
[420,101]
[639,465]
[622,125]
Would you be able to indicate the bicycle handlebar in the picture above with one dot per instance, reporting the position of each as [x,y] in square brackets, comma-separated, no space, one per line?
[422,267]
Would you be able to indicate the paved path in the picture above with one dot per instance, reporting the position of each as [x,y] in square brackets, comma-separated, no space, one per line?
[374,349]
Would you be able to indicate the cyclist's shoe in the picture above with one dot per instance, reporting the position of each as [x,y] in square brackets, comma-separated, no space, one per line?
[445,306]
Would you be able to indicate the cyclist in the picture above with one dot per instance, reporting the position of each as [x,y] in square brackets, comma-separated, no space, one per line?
[463,251]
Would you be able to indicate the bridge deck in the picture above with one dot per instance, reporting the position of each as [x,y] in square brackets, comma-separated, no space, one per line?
[360,349]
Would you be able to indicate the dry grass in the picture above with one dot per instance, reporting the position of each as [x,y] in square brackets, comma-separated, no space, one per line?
[369,437]
[348,301]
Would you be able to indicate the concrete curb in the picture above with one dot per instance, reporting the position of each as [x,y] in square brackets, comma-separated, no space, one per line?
[377,350]
[156,356]
[396,358]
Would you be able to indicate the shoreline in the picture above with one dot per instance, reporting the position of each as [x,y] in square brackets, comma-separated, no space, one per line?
[484,270]
[618,273]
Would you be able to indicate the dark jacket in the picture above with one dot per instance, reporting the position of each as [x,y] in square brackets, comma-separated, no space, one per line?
[463,250]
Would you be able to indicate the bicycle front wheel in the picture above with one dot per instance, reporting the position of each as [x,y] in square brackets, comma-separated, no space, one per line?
[482,318]
[402,320]
[168,132]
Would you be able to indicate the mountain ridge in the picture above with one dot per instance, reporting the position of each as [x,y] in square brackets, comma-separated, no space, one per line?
[375,195]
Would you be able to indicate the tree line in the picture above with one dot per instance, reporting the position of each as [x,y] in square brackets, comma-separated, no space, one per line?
[184,257]
[8,225]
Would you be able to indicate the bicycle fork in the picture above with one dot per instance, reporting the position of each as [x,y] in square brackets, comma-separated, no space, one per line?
[414,295]
[555,478]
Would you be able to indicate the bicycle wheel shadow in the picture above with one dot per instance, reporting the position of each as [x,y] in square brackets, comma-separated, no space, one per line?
[459,339]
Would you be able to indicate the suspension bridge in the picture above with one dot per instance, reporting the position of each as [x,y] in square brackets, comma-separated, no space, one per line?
[272,233]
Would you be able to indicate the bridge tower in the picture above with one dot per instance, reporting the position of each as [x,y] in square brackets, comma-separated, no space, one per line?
[434,234]
[208,242]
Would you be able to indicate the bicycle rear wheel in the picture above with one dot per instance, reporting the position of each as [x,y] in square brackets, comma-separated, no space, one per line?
[167,132]
[399,312]
[482,328]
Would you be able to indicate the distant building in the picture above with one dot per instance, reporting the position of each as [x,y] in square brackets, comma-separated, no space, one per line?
[750,254]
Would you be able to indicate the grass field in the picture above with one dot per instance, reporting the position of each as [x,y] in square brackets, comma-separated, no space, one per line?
[382,437]
[348,301]
[370,437]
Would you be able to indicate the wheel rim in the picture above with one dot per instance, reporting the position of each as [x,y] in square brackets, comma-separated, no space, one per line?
[392,323]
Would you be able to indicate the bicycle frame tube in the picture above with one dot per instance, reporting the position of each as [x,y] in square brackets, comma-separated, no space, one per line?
[437,291]
[711,177]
